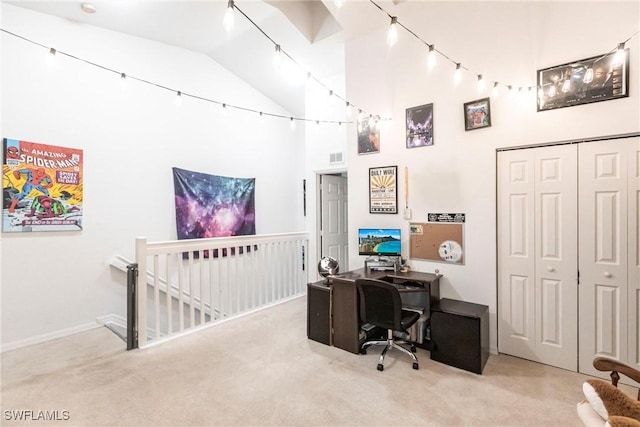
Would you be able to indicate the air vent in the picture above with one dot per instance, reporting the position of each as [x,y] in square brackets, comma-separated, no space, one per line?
[336,157]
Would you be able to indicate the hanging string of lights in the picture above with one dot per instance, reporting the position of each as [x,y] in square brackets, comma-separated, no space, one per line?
[392,37]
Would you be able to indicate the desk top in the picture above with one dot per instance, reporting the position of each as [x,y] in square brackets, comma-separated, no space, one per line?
[365,273]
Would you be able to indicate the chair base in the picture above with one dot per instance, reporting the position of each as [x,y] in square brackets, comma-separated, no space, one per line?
[389,343]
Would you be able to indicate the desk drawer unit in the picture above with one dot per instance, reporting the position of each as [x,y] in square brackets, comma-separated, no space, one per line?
[460,334]
[319,312]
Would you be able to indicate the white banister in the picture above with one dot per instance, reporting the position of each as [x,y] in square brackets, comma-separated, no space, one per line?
[195,283]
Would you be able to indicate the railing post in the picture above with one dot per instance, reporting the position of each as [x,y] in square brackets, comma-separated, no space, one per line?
[141,294]
[132,327]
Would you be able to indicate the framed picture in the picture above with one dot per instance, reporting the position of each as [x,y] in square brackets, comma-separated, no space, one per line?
[477,114]
[383,190]
[368,136]
[419,122]
[595,79]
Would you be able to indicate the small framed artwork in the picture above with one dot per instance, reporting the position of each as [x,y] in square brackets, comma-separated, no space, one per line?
[600,78]
[368,136]
[477,114]
[419,122]
[383,190]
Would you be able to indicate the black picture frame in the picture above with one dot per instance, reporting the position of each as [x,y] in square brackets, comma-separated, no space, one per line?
[383,190]
[585,81]
[477,114]
[419,126]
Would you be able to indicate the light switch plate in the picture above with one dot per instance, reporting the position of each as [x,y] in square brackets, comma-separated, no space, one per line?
[407,213]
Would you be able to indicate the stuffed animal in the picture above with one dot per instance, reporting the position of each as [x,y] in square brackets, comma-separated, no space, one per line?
[612,404]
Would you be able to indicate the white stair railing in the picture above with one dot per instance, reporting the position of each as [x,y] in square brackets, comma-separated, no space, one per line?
[194,283]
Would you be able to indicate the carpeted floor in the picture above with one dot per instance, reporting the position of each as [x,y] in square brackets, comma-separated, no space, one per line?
[262,370]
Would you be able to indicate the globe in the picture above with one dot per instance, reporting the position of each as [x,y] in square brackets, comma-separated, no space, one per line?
[328,266]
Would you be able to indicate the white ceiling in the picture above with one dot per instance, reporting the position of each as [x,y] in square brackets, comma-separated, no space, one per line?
[505,40]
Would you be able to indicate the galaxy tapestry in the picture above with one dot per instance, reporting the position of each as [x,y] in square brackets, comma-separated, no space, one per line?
[213,206]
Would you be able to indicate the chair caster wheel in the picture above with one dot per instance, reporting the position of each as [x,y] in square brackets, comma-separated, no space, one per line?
[413,349]
[415,366]
[380,367]
[363,351]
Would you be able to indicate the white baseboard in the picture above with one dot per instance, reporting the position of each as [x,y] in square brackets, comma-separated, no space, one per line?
[49,336]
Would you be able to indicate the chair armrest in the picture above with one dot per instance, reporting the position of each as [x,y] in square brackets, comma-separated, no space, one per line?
[615,367]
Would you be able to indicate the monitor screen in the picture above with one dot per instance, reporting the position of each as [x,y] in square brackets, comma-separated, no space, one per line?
[379,241]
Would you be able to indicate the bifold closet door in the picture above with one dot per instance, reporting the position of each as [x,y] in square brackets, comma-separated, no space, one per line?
[537,255]
[609,260]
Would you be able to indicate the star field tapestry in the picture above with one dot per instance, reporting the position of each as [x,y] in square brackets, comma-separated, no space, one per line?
[213,206]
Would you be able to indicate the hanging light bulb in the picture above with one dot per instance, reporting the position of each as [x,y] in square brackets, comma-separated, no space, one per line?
[348,109]
[494,91]
[228,21]
[123,80]
[480,83]
[619,57]
[51,57]
[178,99]
[392,35]
[261,118]
[510,90]
[457,75]
[431,57]
[277,57]
[223,109]
[292,123]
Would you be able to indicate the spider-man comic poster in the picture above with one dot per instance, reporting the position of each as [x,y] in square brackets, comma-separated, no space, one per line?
[41,187]
[213,206]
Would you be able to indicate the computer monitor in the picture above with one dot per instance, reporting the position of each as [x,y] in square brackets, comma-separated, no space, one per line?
[379,241]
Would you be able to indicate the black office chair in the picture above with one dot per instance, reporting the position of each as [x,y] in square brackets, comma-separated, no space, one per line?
[380,305]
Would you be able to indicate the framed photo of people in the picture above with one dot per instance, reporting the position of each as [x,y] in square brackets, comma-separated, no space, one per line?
[383,190]
[599,78]
[368,136]
[419,122]
[477,114]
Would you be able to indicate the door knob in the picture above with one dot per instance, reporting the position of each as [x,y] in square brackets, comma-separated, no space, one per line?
[607,274]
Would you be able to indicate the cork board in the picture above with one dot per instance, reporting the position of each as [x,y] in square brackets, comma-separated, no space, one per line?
[437,241]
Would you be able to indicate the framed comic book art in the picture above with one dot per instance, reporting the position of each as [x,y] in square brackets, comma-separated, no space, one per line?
[477,114]
[42,187]
[599,78]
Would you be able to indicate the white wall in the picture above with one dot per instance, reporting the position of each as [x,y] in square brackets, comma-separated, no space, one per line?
[132,137]
[458,173]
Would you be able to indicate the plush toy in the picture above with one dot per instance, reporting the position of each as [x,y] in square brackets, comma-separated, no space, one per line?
[612,404]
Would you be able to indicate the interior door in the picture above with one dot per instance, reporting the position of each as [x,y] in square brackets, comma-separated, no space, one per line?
[334,232]
[609,288]
[537,249]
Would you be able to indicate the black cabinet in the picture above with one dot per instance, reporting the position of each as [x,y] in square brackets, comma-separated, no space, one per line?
[319,312]
[460,334]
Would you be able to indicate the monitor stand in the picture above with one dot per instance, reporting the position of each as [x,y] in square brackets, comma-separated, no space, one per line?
[383,262]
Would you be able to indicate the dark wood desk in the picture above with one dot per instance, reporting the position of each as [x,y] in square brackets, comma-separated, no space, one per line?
[345,319]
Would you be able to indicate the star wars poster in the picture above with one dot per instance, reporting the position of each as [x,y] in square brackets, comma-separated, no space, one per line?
[41,187]
[213,206]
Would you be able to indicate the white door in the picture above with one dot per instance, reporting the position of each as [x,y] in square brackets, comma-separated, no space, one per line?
[334,233]
[537,250]
[609,289]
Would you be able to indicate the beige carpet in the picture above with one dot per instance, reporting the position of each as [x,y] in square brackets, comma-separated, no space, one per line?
[262,370]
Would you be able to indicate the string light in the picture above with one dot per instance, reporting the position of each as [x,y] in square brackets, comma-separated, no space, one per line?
[480,84]
[51,58]
[178,99]
[495,90]
[123,80]
[392,35]
[292,124]
[348,109]
[431,57]
[457,75]
[228,22]
[277,56]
